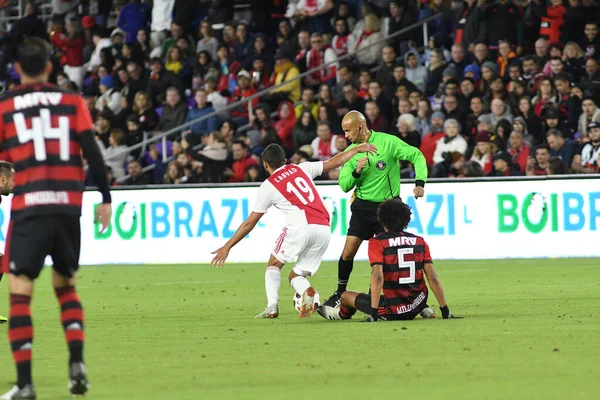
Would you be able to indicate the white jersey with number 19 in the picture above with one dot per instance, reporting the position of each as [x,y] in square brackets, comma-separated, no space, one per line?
[291,190]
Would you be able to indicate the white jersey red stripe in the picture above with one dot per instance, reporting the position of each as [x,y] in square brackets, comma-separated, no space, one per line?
[291,190]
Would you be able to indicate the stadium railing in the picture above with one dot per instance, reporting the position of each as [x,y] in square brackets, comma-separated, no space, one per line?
[162,137]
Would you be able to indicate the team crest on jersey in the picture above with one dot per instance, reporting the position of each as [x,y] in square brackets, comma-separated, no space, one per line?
[380,165]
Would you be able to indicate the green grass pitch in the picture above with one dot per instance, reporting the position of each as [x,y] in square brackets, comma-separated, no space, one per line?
[531,331]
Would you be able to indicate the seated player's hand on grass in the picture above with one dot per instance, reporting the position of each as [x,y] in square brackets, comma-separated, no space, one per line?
[221,255]
[418,192]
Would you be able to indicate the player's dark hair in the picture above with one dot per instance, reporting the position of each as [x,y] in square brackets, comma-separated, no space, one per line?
[394,215]
[33,54]
[274,156]
[5,168]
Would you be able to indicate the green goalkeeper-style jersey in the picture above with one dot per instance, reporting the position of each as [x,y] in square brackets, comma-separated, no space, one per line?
[379,180]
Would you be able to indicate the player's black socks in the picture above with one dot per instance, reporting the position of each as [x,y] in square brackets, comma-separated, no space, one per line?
[344,271]
[20,335]
[71,316]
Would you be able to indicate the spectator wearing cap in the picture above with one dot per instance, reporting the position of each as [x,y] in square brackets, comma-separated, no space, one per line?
[285,70]
[174,112]
[110,99]
[474,72]
[375,120]
[518,150]
[319,54]
[484,151]
[429,140]
[88,23]
[504,166]
[100,42]
[201,109]
[553,120]
[539,164]
[315,13]
[370,42]
[159,80]
[133,17]
[243,90]
[591,113]
[565,149]
[587,160]
[117,37]
[71,45]
[448,148]
[207,41]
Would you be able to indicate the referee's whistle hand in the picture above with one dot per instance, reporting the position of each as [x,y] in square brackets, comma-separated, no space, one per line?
[418,192]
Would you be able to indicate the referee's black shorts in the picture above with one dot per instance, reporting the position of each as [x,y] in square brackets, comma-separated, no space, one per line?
[363,222]
[30,240]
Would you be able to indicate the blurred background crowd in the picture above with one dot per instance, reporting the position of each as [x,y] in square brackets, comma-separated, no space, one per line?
[192,91]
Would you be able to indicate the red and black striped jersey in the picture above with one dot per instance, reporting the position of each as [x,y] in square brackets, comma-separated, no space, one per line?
[40,133]
[403,256]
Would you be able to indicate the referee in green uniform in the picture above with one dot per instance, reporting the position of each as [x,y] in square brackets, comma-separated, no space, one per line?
[375,178]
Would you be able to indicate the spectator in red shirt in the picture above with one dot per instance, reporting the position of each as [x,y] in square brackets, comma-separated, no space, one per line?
[242,161]
[518,150]
[324,144]
[71,44]
[285,123]
[429,140]
[243,90]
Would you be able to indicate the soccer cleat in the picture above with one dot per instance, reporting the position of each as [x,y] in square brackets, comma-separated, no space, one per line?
[330,313]
[271,311]
[427,312]
[3,320]
[27,393]
[78,384]
[307,304]
[334,301]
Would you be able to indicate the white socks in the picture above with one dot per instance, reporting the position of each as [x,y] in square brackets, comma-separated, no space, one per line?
[300,284]
[272,284]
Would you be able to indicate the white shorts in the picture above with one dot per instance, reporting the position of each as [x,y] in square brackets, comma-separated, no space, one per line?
[308,244]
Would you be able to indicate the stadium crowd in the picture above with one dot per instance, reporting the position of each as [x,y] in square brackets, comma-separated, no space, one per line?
[500,88]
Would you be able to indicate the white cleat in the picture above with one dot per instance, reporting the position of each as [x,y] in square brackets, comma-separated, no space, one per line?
[271,311]
[427,313]
[331,313]
[307,305]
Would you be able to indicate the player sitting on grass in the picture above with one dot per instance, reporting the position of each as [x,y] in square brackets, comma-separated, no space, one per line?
[306,234]
[6,186]
[398,260]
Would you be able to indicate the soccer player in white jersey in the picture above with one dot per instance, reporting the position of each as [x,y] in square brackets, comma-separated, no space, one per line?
[306,234]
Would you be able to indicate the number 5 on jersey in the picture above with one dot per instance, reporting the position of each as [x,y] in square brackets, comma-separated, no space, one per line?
[406,264]
[41,129]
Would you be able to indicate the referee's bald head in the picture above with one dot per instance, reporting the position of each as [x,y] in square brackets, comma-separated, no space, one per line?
[354,125]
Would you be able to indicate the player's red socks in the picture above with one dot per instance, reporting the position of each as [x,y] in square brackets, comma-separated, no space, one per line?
[71,316]
[20,336]
[346,312]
